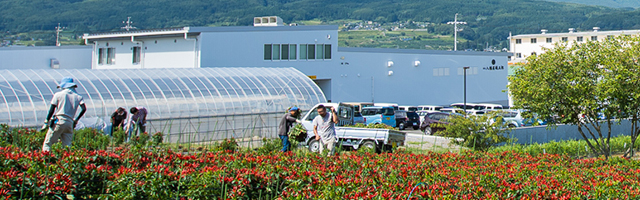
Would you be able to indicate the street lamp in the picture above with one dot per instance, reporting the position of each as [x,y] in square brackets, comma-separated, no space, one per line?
[465,90]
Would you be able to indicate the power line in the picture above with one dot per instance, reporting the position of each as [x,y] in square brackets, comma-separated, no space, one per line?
[128,25]
[455,23]
[58,30]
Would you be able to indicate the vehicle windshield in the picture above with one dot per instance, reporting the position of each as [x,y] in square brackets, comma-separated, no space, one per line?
[413,109]
[438,108]
[479,107]
[387,111]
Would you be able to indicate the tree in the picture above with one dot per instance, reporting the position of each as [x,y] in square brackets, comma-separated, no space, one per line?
[583,83]
[479,132]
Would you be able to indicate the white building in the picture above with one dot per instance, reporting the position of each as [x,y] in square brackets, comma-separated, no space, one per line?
[523,46]
[402,76]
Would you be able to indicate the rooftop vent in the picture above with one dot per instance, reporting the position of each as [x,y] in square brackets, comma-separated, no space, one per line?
[595,29]
[268,21]
[571,30]
[544,31]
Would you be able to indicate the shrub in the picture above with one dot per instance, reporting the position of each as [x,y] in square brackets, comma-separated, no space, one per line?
[229,144]
[91,139]
[477,132]
[157,138]
[119,136]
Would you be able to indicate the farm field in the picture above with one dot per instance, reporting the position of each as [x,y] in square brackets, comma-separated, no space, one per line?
[145,169]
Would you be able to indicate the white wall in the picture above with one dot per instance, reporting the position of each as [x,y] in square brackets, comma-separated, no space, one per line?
[70,57]
[350,70]
[166,52]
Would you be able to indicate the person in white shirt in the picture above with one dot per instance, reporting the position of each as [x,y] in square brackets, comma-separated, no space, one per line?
[324,129]
[64,105]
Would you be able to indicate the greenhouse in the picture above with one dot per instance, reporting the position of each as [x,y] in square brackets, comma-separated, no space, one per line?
[188,105]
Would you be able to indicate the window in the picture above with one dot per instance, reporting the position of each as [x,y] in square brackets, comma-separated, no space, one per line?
[275,52]
[518,41]
[327,51]
[311,51]
[292,52]
[285,52]
[533,53]
[518,55]
[579,39]
[303,51]
[319,51]
[136,55]
[534,40]
[549,40]
[102,54]
[565,39]
[609,37]
[111,56]
[267,52]
[594,38]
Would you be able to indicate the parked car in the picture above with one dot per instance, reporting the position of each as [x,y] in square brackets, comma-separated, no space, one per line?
[475,112]
[452,110]
[429,108]
[408,108]
[379,115]
[431,119]
[470,106]
[513,118]
[413,120]
[487,106]
[357,106]
[357,118]
[401,119]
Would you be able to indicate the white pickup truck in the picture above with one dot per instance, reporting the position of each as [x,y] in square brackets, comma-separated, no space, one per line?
[350,137]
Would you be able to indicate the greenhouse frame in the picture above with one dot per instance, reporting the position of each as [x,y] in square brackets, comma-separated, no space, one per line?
[187,105]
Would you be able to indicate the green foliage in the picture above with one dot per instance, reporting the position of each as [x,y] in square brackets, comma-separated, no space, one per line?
[23,138]
[157,138]
[227,145]
[476,132]
[119,136]
[298,133]
[270,145]
[592,79]
[488,21]
[380,126]
[572,148]
[90,139]
[140,140]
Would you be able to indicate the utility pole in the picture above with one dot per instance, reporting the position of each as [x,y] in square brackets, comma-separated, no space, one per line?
[58,30]
[128,25]
[455,23]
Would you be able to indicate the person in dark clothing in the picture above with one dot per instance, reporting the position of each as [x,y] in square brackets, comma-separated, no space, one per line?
[285,124]
[118,118]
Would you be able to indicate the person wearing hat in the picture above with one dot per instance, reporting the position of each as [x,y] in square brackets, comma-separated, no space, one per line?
[285,124]
[64,105]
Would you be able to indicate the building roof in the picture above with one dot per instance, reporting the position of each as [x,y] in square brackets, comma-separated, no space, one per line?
[167,93]
[583,33]
[421,51]
[198,30]
[13,48]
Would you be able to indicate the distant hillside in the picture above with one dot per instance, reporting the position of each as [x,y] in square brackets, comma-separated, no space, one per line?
[489,21]
[608,3]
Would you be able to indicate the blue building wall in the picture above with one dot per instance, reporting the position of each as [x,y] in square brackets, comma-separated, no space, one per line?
[70,57]
[362,74]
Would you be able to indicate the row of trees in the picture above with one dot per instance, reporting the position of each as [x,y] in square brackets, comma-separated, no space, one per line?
[488,21]
[592,85]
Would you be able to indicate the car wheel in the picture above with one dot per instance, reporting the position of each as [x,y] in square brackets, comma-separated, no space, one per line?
[416,127]
[370,145]
[401,126]
[512,126]
[314,145]
[427,131]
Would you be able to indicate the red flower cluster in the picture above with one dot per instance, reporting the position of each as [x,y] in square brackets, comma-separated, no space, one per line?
[164,174]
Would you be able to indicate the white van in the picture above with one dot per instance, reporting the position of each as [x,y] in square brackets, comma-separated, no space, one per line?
[429,108]
[408,108]
[470,106]
[394,105]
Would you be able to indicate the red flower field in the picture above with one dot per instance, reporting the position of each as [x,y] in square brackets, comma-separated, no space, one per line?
[145,173]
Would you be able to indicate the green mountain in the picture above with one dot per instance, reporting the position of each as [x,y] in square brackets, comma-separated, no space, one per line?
[608,3]
[489,21]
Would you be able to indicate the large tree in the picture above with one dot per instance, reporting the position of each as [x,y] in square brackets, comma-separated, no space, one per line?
[591,85]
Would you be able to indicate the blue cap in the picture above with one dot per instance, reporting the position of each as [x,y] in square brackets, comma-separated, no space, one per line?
[293,108]
[66,82]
